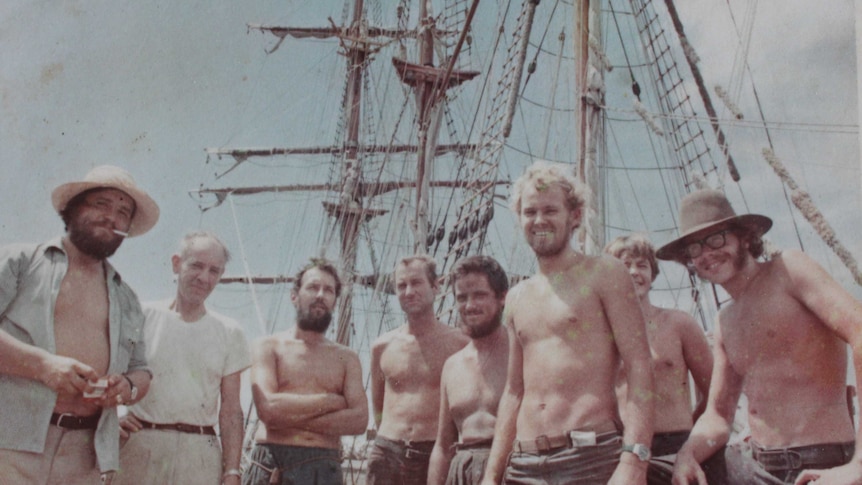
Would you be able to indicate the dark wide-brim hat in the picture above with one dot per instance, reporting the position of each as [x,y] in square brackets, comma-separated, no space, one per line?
[703,210]
[110,177]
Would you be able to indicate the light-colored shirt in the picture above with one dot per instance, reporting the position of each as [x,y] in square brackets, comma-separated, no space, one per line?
[188,361]
[30,277]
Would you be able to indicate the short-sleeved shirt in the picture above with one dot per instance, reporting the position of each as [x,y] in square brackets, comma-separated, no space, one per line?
[30,278]
[188,361]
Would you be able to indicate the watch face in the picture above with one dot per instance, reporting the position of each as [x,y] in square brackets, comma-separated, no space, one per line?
[639,450]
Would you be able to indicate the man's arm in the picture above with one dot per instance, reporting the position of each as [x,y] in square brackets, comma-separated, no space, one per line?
[378,382]
[447,435]
[505,430]
[278,409]
[698,359]
[626,321]
[353,419]
[61,374]
[842,313]
[230,423]
[712,429]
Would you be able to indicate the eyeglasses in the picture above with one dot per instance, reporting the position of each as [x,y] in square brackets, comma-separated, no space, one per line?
[715,240]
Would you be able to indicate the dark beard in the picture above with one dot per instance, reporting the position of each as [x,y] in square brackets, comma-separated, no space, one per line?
[306,321]
[485,329]
[87,243]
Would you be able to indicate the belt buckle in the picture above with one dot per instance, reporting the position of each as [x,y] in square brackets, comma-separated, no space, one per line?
[543,443]
[794,459]
[64,416]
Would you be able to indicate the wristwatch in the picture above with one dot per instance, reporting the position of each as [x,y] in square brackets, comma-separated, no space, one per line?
[133,387]
[639,450]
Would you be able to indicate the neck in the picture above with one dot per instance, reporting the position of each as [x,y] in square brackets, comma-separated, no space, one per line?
[420,324]
[739,282]
[558,262]
[308,336]
[79,259]
[490,342]
[188,312]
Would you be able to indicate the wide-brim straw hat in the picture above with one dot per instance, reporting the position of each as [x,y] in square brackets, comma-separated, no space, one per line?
[110,177]
[703,210]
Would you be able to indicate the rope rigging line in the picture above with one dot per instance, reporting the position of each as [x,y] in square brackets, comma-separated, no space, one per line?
[260,321]
[787,198]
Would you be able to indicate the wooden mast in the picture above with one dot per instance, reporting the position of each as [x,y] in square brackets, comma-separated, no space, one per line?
[590,99]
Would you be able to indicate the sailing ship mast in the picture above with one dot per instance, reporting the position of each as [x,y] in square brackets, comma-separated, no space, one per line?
[352,208]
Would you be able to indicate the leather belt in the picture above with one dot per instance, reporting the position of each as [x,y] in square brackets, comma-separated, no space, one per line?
[70,421]
[799,457]
[181,427]
[545,443]
[486,443]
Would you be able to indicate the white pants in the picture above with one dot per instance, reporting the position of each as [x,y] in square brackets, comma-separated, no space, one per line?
[157,457]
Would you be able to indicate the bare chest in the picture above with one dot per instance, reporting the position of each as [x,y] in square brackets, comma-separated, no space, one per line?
[306,370]
[477,387]
[771,329]
[569,312]
[81,321]
[665,348]
[409,363]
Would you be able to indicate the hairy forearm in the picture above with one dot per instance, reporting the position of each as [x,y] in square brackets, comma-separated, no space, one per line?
[289,410]
[438,468]
[710,433]
[349,421]
[640,405]
[231,431]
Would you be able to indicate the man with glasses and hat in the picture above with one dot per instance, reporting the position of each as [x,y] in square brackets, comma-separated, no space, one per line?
[71,345]
[782,341]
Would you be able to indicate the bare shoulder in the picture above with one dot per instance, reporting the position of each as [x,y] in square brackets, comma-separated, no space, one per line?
[451,337]
[268,343]
[454,362]
[605,265]
[381,342]
[677,318]
[343,353]
[796,263]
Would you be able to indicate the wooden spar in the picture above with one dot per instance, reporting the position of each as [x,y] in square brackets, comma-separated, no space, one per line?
[429,84]
[590,94]
[348,211]
[427,127]
[364,189]
[704,94]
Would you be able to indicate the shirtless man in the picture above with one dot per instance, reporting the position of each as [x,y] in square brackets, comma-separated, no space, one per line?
[406,364]
[569,326]
[783,342]
[307,390]
[679,347]
[69,328]
[474,377]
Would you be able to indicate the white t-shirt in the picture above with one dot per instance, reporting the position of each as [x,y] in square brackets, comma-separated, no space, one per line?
[188,360]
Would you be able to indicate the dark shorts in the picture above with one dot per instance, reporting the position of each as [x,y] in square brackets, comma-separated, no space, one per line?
[468,464]
[293,465]
[583,465]
[398,462]
[749,463]
[665,446]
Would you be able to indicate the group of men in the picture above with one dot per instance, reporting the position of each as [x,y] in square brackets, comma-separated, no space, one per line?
[571,376]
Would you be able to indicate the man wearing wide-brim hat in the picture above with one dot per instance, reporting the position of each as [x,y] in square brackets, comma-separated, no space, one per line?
[71,345]
[782,340]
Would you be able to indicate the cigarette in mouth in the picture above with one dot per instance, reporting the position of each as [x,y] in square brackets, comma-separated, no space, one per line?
[121,233]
